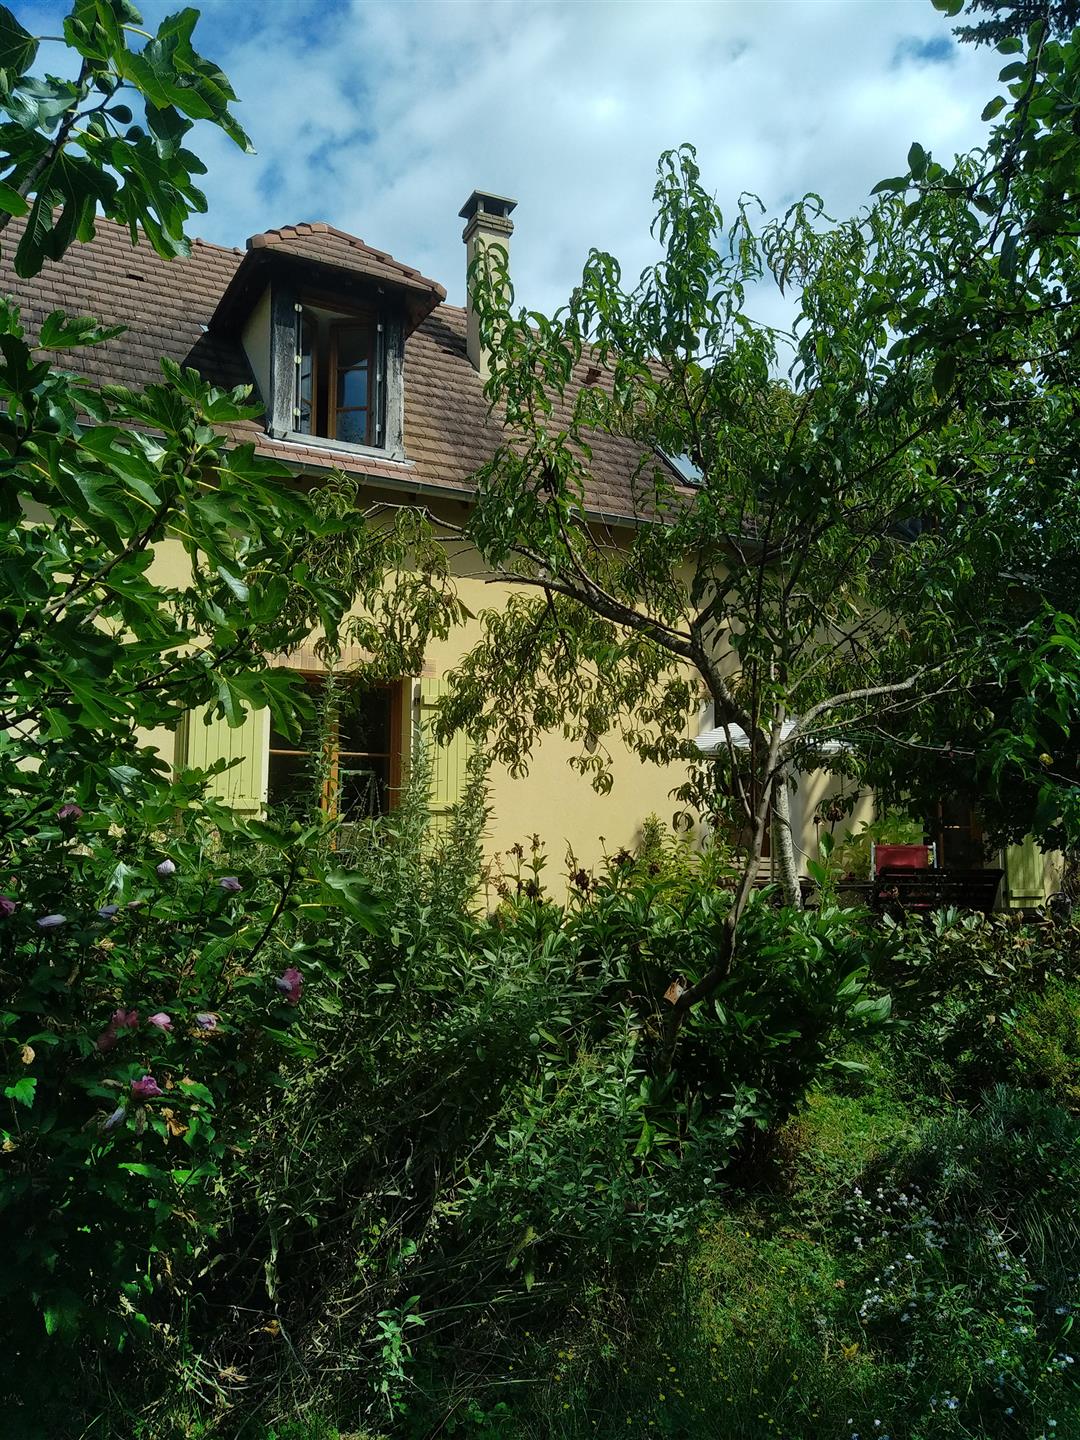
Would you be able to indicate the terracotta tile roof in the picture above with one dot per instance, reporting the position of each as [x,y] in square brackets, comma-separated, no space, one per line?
[167,307]
[325,245]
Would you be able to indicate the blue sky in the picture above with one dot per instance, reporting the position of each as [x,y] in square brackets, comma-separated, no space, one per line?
[380,116]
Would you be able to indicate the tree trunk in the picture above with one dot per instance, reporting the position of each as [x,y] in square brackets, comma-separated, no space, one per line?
[784,842]
[728,937]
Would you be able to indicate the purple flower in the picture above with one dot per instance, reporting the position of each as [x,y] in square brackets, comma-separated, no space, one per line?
[106,912]
[7,906]
[70,811]
[230,884]
[165,869]
[146,1089]
[291,985]
[206,1021]
[106,1040]
[50,922]
[118,1116]
[160,1021]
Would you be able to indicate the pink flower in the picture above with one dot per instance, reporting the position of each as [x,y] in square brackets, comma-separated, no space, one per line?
[70,811]
[230,884]
[7,906]
[206,1021]
[106,1040]
[165,869]
[291,984]
[146,1089]
[160,1021]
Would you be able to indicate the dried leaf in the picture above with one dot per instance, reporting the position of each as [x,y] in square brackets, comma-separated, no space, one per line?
[674,990]
[175,1126]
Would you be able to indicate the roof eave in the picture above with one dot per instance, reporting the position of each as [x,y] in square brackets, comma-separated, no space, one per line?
[415,486]
[420,299]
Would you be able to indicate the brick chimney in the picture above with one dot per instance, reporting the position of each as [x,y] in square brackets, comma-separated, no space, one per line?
[487,222]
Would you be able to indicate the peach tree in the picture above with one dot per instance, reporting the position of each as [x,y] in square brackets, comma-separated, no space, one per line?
[856,532]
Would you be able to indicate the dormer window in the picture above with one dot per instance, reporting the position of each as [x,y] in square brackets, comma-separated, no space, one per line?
[323,320]
[340,376]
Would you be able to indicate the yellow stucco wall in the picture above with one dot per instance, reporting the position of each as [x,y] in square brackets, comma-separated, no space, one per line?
[813,792]
[552,800]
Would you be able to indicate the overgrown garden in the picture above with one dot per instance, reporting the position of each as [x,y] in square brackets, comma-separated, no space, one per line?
[301,1135]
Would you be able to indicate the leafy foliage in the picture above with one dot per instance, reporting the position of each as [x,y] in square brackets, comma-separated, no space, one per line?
[869,551]
[95,646]
[981,1001]
[997,20]
[70,147]
[461,1131]
[1044,1038]
[139,961]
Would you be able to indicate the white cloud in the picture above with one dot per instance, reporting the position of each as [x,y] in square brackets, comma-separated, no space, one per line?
[381,116]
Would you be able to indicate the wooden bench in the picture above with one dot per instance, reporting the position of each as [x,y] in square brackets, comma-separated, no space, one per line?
[921,890]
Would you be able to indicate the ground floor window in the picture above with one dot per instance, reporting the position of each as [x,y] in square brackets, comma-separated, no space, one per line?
[349,761]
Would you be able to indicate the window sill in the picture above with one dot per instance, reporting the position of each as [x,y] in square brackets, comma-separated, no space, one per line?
[346,447]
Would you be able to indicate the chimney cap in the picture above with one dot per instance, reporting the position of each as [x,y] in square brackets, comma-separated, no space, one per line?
[483,202]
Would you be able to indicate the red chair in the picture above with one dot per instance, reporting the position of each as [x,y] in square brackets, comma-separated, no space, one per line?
[901,857]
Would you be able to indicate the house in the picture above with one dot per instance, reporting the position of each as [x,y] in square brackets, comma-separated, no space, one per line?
[362,367]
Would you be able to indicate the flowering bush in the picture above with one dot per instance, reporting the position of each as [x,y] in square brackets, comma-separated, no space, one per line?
[139,1028]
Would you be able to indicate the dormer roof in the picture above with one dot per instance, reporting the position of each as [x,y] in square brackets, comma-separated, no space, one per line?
[324,250]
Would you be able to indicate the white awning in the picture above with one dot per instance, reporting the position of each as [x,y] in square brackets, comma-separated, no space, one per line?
[715,741]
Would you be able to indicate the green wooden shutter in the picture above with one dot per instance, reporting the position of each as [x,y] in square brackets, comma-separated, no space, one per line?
[449,762]
[242,787]
[1025,867]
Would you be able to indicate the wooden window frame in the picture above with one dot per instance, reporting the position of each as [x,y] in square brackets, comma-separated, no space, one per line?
[386,320]
[327,800]
[332,407]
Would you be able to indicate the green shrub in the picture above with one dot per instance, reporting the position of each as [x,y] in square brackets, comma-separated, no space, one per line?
[932,1295]
[1043,1038]
[992,959]
[154,959]
[959,984]
[490,1118]
[471,1130]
